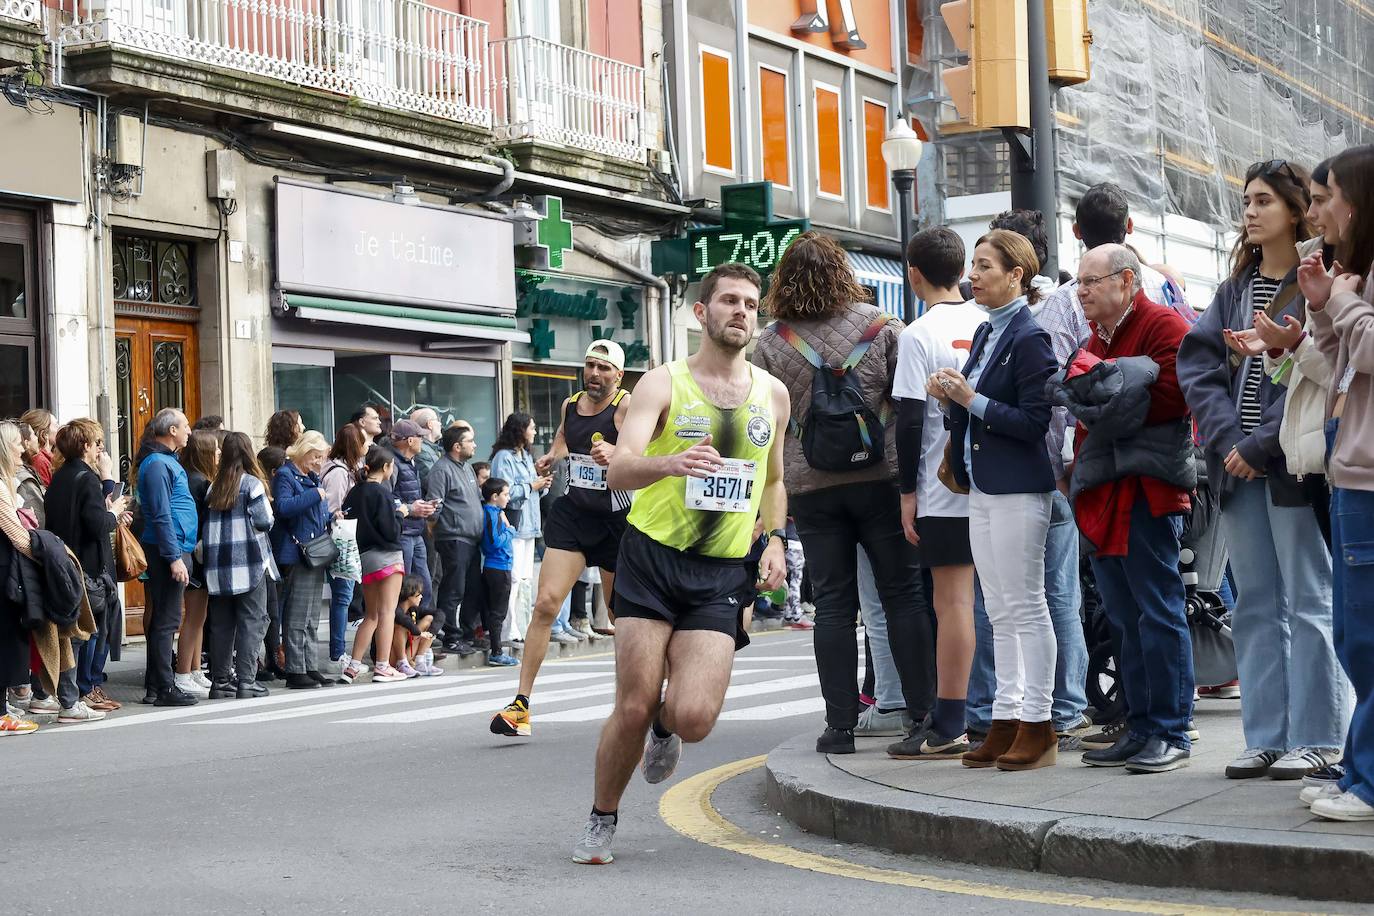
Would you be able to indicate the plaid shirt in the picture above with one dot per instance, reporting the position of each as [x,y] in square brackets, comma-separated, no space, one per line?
[237,552]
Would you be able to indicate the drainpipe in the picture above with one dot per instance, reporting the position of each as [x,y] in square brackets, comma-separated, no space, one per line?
[664,292]
[502,186]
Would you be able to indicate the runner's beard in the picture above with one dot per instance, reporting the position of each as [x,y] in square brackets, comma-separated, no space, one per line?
[598,390]
[717,332]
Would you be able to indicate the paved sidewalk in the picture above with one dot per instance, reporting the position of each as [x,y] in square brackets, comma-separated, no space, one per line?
[1189,828]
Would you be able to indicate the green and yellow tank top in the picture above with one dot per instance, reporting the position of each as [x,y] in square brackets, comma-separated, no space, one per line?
[711,517]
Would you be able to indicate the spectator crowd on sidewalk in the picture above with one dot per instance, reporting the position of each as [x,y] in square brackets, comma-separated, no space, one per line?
[1022,440]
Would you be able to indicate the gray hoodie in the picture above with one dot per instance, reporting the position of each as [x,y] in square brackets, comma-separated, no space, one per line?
[460,516]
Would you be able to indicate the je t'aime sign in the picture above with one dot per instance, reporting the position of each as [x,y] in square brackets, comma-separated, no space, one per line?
[358,246]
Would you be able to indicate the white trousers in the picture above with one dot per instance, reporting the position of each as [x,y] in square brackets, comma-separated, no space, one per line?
[1008,539]
[521,604]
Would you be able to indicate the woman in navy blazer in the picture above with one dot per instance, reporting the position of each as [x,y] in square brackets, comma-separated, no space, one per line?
[998,417]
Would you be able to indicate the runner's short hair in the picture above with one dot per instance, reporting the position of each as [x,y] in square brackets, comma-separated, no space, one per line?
[732,271]
[938,254]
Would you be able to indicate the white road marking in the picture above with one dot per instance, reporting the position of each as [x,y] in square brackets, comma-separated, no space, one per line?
[736,691]
[774,710]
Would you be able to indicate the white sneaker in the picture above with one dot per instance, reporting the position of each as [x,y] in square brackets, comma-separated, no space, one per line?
[1346,807]
[1300,761]
[188,684]
[874,724]
[42,706]
[564,637]
[1312,794]
[200,678]
[80,712]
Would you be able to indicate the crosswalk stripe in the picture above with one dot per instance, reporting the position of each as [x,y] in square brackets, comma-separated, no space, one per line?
[774,710]
[391,699]
[736,691]
[453,711]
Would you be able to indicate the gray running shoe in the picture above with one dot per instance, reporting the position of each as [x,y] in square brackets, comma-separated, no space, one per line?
[874,724]
[595,846]
[660,757]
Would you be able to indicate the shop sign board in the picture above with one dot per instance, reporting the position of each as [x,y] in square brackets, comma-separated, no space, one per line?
[564,314]
[359,246]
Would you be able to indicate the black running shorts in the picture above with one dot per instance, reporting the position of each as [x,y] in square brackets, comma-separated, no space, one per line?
[688,591]
[592,534]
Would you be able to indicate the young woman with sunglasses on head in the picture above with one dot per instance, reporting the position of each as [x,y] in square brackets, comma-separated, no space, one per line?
[1292,691]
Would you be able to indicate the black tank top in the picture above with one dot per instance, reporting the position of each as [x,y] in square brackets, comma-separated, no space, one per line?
[587,490]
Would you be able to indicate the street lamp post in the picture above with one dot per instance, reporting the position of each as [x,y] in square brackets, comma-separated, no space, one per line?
[902,153]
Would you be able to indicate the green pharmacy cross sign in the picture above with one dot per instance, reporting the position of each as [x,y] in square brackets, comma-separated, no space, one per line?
[550,238]
[748,234]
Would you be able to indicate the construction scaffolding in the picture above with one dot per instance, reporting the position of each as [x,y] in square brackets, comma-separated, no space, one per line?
[1186,94]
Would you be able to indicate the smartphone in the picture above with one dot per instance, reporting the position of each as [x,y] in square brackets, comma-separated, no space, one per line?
[118,489]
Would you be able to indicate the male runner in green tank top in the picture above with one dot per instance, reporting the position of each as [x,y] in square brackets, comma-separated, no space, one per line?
[702,448]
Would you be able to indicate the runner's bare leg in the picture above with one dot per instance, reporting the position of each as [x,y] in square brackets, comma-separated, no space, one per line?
[641,647]
[701,661]
[557,575]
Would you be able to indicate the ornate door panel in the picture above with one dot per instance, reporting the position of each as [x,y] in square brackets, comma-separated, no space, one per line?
[156,366]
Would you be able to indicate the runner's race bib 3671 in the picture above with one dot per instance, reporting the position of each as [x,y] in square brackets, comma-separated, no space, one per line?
[585,473]
[727,490]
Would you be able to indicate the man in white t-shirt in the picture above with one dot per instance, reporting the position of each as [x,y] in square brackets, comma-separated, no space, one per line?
[934,517]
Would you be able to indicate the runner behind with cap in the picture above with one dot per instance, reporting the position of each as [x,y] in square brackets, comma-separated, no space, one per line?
[701,447]
[584,527]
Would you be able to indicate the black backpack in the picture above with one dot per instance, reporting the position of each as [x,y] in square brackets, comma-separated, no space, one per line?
[841,432]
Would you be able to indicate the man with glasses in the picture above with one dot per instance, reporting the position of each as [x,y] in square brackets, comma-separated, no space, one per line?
[1132,476]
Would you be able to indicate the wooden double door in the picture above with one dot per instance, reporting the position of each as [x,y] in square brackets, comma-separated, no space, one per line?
[157,365]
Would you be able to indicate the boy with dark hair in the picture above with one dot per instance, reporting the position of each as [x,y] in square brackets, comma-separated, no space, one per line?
[497,535]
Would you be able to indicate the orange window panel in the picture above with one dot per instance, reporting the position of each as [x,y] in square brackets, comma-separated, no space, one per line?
[773,127]
[829,143]
[875,129]
[717,130]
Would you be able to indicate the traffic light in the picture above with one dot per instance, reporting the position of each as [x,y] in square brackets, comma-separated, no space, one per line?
[993,88]
[1068,37]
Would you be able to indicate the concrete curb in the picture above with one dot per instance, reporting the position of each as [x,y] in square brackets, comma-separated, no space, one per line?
[824,800]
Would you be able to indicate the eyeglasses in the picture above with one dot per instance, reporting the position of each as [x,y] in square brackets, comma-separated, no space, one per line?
[1089,282]
[1272,167]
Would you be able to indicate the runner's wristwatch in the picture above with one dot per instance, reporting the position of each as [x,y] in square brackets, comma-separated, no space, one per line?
[779,533]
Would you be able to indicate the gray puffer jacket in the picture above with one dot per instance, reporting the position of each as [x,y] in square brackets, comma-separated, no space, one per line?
[834,339]
[1112,400]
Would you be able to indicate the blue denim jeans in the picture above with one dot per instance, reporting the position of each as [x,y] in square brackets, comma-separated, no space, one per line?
[340,597]
[1144,599]
[1352,546]
[561,623]
[90,661]
[1293,693]
[887,683]
[1063,593]
[416,555]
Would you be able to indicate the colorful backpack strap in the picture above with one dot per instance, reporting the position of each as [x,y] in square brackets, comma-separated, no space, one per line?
[808,352]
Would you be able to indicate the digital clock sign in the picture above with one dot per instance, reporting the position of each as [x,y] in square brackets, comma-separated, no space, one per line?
[748,234]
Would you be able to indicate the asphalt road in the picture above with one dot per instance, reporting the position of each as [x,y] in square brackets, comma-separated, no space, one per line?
[395,798]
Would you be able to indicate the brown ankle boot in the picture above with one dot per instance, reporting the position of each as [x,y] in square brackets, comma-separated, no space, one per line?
[1036,746]
[999,740]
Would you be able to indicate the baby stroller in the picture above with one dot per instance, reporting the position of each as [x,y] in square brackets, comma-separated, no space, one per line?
[1202,564]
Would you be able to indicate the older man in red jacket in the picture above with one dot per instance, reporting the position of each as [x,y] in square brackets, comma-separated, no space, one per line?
[1132,478]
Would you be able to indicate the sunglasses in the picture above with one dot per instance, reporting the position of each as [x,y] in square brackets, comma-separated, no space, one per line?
[1273,167]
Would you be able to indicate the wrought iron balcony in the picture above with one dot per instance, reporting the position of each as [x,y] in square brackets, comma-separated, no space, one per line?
[399,53]
[546,91]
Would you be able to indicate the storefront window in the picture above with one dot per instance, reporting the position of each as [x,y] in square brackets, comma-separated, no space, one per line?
[13,303]
[16,378]
[308,389]
[360,380]
[454,397]
[541,395]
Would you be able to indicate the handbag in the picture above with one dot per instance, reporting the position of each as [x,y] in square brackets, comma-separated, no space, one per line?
[349,563]
[130,560]
[946,475]
[319,550]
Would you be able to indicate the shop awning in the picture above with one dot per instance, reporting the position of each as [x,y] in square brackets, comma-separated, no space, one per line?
[406,318]
[883,276]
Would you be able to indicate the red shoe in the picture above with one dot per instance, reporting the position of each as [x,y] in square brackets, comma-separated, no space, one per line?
[1228,691]
[802,624]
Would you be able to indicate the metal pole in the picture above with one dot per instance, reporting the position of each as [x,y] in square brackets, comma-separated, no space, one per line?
[903,180]
[1032,177]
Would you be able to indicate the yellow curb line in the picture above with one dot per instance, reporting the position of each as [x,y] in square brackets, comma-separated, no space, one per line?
[687,809]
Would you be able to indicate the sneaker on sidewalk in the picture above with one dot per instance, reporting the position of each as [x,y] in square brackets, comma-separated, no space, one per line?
[661,756]
[80,712]
[875,724]
[1107,737]
[1300,761]
[408,669]
[1084,726]
[595,846]
[835,741]
[1345,807]
[1311,794]
[199,677]
[800,624]
[1191,731]
[1228,691]
[353,670]
[1252,762]
[11,724]
[44,706]
[186,684]
[502,661]
[1325,776]
[926,745]
[565,638]
[385,674]
[512,722]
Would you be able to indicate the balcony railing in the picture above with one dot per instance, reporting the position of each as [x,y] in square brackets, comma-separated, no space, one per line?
[23,10]
[546,91]
[398,53]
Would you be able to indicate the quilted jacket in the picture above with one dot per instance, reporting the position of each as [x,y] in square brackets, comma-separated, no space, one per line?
[834,339]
